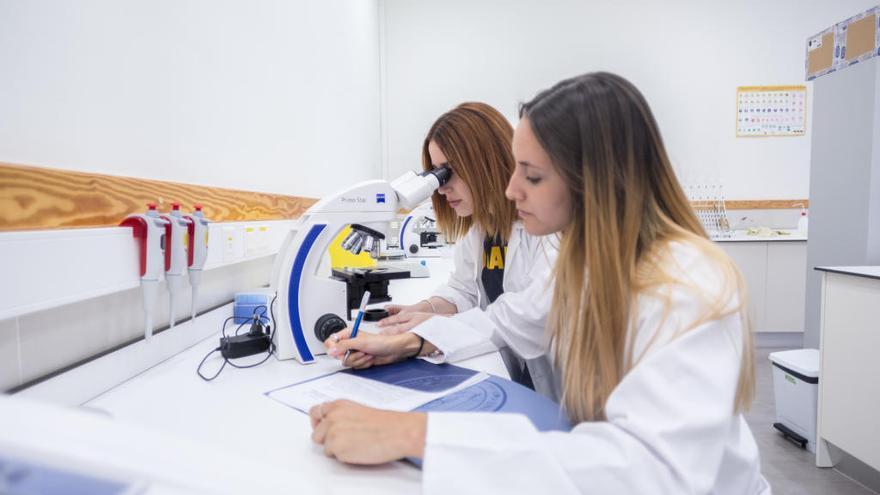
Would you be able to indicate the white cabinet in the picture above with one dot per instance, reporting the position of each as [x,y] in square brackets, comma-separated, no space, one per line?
[849,392]
[775,276]
[786,287]
[751,259]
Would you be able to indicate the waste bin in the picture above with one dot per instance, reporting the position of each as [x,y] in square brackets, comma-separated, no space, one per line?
[796,388]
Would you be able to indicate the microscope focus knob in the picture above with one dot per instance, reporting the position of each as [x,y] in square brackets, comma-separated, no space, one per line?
[327,325]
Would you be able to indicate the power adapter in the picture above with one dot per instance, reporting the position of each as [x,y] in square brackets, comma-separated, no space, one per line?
[257,340]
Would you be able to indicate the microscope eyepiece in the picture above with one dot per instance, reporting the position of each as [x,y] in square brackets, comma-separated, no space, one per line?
[443,174]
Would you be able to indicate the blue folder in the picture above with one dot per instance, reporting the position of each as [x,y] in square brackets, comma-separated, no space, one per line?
[491,395]
[23,476]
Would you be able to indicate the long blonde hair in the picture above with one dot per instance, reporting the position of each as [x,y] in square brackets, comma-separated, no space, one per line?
[476,140]
[627,208]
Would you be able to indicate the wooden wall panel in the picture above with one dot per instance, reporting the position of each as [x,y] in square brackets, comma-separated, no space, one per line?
[43,198]
[766,204]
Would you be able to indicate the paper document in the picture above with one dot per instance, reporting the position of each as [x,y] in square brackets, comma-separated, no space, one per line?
[305,395]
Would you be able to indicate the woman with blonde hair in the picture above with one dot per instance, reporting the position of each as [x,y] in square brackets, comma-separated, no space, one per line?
[499,280]
[647,326]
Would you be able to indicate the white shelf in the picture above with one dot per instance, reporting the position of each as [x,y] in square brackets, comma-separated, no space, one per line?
[46,269]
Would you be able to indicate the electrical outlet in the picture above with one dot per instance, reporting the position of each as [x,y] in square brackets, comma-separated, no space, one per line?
[228,239]
[263,239]
[237,241]
[256,240]
[250,241]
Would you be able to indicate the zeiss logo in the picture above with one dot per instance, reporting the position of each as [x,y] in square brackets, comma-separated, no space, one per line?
[380,197]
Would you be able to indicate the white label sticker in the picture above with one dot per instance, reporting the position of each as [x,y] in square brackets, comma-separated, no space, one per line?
[814,43]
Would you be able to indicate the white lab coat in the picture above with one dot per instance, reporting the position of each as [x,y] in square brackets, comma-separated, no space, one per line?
[516,319]
[670,425]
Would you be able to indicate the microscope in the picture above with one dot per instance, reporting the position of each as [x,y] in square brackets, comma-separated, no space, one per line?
[310,301]
[420,237]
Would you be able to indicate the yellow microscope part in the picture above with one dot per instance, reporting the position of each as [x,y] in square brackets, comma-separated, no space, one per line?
[340,258]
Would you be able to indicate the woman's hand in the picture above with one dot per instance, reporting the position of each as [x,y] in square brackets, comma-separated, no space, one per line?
[402,322]
[359,434]
[369,349]
[396,309]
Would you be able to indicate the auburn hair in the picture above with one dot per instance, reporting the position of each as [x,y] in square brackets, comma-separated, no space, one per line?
[476,140]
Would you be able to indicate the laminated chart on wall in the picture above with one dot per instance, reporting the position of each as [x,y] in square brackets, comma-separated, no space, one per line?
[764,111]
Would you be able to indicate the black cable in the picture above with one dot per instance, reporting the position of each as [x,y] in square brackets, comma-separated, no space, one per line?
[273,326]
[254,318]
[225,322]
[263,314]
[226,361]
[241,326]
[272,312]
[199,369]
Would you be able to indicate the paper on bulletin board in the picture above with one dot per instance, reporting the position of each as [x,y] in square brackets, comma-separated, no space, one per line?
[820,54]
[858,37]
[848,42]
[765,111]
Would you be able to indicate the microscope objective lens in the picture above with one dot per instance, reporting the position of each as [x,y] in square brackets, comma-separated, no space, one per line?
[368,244]
[358,245]
[350,241]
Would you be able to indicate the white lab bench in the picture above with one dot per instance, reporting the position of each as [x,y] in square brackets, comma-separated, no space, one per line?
[232,413]
[849,392]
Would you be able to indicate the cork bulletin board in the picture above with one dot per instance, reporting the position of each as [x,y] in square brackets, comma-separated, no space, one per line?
[849,42]
[820,54]
[860,37]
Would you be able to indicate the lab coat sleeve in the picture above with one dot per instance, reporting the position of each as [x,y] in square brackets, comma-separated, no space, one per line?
[665,433]
[454,339]
[461,289]
[515,319]
[518,318]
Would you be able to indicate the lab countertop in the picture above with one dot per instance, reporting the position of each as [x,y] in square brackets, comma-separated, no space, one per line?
[777,235]
[232,413]
[858,271]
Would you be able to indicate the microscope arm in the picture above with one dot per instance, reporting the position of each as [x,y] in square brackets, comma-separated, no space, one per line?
[305,291]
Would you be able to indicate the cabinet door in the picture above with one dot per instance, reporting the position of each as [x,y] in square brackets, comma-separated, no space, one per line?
[786,286]
[849,392]
[751,259]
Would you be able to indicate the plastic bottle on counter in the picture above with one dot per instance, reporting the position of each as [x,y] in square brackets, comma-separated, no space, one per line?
[803,222]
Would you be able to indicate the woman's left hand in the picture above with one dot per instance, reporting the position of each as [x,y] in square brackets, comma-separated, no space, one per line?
[358,434]
[402,322]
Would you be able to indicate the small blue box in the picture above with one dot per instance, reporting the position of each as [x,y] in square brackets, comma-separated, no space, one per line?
[247,304]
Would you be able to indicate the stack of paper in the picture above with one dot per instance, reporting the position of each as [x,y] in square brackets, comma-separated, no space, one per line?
[305,395]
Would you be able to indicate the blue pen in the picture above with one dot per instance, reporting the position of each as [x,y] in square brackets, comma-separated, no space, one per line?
[357,322]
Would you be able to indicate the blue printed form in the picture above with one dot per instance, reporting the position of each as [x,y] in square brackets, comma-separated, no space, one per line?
[417,385]
[365,390]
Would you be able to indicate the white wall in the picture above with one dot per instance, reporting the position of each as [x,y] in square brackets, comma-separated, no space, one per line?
[687,57]
[266,95]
